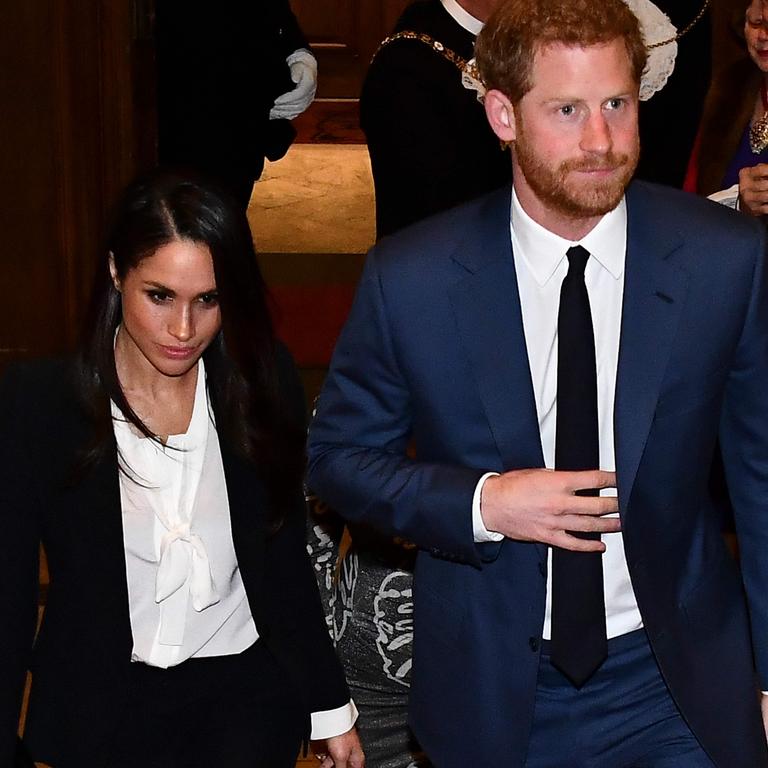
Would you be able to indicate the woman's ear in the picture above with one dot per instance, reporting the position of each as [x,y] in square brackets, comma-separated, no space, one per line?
[113,272]
[501,115]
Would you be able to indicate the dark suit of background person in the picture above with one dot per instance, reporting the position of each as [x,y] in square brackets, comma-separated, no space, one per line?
[669,121]
[430,145]
[433,354]
[82,656]
[220,67]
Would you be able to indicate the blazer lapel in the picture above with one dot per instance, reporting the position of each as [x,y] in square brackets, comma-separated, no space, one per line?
[487,309]
[654,294]
[245,507]
[97,502]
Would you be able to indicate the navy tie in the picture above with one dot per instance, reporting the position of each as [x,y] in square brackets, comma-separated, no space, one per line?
[579,644]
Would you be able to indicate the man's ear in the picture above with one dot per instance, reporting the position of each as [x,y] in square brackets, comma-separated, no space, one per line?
[501,115]
[113,272]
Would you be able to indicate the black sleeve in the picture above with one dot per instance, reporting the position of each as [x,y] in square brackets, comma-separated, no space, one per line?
[291,36]
[301,637]
[19,548]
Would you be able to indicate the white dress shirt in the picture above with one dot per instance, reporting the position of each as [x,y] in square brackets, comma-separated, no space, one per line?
[186,594]
[541,264]
[463,18]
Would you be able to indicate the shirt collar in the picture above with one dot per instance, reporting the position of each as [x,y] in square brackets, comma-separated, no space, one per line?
[463,18]
[542,250]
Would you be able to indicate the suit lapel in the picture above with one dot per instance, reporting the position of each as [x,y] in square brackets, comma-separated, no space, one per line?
[486,305]
[654,294]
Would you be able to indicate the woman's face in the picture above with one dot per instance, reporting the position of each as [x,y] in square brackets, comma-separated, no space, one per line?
[756,33]
[170,309]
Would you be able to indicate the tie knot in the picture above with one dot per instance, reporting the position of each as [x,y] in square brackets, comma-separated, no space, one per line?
[577,260]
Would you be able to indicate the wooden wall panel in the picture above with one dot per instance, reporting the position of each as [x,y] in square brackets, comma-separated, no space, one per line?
[70,132]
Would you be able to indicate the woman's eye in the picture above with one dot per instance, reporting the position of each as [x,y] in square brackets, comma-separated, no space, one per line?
[210,299]
[159,297]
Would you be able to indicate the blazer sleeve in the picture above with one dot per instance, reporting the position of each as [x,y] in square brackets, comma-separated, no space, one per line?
[301,637]
[744,446]
[359,439]
[19,547]
[289,31]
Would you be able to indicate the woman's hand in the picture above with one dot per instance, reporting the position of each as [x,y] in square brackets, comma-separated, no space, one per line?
[753,190]
[344,751]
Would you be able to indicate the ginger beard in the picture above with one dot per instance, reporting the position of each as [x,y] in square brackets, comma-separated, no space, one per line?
[566,188]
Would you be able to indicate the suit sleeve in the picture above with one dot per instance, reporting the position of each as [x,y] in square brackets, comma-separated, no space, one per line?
[744,445]
[359,438]
[19,546]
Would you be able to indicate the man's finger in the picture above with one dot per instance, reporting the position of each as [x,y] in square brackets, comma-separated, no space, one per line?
[592,505]
[565,540]
[588,524]
[587,479]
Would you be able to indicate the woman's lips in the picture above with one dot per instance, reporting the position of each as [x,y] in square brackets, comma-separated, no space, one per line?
[178,353]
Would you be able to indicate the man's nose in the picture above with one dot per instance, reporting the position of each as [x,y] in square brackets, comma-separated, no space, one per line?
[596,136]
[182,325]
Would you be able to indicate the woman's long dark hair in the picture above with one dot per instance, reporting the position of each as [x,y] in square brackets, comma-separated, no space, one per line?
[253,415]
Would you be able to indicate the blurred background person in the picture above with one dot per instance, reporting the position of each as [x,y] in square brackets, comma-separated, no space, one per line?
[230,77]
[732,151]
[429,142]
[161,469]
[669,121]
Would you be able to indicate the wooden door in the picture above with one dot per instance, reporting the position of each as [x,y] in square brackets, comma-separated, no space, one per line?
[344,35]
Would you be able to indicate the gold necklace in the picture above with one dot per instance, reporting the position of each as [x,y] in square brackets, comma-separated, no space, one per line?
[758,131]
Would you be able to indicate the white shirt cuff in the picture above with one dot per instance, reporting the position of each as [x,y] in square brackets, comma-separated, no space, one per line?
[333,722]
[729,197]
[481,533]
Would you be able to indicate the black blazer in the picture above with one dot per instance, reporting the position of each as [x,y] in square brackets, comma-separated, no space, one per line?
[219,70]
[81,658]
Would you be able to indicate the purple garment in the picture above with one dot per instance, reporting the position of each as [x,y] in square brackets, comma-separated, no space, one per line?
[744,157]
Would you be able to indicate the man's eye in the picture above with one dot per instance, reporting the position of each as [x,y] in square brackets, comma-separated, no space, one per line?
[567,110]
[615,103]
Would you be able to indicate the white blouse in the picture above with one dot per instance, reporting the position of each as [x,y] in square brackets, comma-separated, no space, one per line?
[186,594]
[187,598]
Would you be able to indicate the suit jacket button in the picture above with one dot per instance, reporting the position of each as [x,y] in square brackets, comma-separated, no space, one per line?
[534,643]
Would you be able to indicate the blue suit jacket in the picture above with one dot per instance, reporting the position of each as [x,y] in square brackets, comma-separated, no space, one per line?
[434,354]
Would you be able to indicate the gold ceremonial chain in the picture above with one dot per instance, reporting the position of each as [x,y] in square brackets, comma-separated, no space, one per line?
[435,45]
[677,37]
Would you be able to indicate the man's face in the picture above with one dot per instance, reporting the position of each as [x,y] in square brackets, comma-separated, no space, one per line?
[756,33]
[576,135]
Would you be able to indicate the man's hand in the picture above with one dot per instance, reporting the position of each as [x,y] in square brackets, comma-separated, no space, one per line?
[753,189]
[542,505]
[342,751]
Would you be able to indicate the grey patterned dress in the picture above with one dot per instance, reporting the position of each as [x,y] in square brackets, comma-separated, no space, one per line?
[368,603]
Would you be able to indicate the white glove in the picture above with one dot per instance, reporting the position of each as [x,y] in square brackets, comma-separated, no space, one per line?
[303,66]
